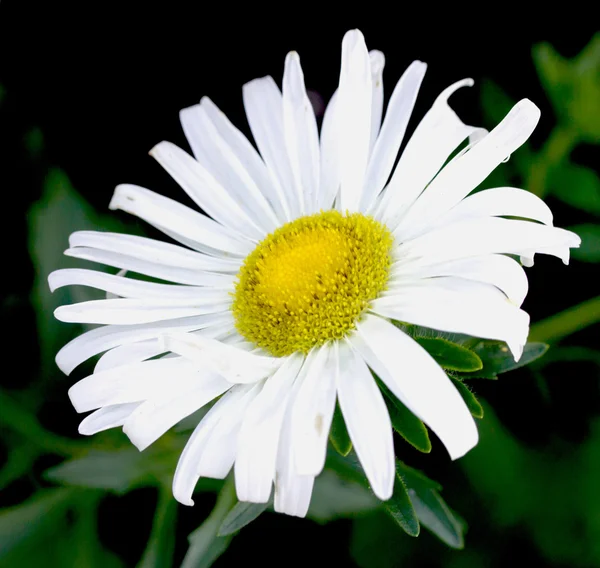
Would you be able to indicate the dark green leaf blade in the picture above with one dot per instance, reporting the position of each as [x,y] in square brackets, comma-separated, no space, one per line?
[449,355]
[405,422]
[241,515]
[497,358]
[471,401]
[400,508]
[576,186]
[436,516]
[431,510]
[338,435]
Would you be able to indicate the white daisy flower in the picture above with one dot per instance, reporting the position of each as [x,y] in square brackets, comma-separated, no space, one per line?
[284,296]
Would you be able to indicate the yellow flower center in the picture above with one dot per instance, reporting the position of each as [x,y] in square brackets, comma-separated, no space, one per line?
[309,281]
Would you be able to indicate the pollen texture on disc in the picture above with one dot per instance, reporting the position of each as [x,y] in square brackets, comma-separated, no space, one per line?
[309,281]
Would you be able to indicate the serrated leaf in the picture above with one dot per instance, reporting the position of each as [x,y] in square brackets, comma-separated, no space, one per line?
[415,478]
[338,435]
[405,422]
[450,355]
[435,515]
[576,186]
[241,515]
[497,358]
[431,510]
[400,508]
[471,401]
[589,251]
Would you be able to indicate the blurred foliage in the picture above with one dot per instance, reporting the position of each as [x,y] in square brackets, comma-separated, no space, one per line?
[548,495]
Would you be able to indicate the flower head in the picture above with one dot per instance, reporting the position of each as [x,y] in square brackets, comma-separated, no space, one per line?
[282,298]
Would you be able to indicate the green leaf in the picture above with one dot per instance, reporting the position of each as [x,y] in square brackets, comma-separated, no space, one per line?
[573,86]
[241,515]
[337,497]
[431,510]
[338,434]
[576,186]
[497,358]
[32,519]
[118,470]
[405,422]
[400,508]
[205,544]
[59,212]
[589,251]
[435,515]
[472,403]
[450,355]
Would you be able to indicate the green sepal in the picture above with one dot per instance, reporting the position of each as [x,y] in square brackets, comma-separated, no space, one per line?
[401,509]
[432,511]
[340,439]
[405,422]
[497,358]
[471,401]
[450,355]
[241,515]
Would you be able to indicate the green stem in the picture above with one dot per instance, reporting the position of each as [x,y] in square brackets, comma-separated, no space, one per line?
[557,148]
[205,546]
[566,322]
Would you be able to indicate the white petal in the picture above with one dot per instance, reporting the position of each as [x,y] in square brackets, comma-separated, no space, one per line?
[392,132]
[377,60]
[156,252]
[500,201]
[434,139]
[418,381]
[236,365]
[248,157]
[142,350]
[128,354]
[367,420]
[136,382]
[205,190]
[221,446]
[180,222]
[475,237]
[187,474]
[220,160]
[354,119]
[312,411]
[154,417]
[132,288]
[103,338]
[258,440]
[329,184]
[301,135]
[107,417]
[264,109]
[459,306]
[292,491]
[168,273]
[463,175]
[127,311]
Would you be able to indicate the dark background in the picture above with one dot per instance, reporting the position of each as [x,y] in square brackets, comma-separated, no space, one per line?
[105,82]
